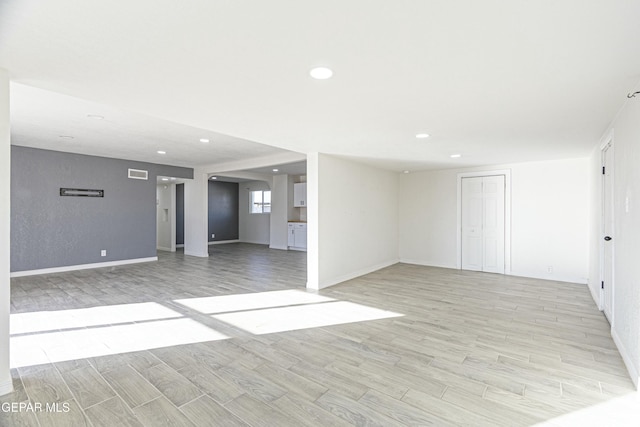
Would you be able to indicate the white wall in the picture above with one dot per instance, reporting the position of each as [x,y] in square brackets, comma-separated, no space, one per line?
[353,219]
[626,239]
[254,228]
[549,218]
[196,215]
[279,212]
[5,221]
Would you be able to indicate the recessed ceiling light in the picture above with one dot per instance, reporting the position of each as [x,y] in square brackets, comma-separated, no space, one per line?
[422,135]
[204,140]
[275,170]
[405,171]
[455,156]
[165,179]
[214,177]
[95,116]
[161,152]
[66,137]
[321,73]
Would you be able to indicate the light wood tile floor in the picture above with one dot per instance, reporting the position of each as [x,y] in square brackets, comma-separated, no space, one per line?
[464,349]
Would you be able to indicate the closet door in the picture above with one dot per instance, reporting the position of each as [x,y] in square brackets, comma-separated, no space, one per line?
[472,224]
[483,218]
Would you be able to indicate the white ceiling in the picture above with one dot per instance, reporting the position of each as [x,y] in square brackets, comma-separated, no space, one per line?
[49,120]
[497,81]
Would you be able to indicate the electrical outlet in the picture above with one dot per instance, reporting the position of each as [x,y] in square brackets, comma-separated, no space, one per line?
[103,252]
[550,269]
[213,236]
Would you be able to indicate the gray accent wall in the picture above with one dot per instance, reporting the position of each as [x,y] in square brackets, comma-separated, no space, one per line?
[223,211]
[48,230]
[179,214]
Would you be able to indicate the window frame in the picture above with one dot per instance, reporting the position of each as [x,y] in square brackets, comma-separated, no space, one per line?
[262,204]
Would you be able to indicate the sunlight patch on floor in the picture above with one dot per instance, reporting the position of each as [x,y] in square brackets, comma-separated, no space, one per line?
[52,347]
[62,335]
[40,321]
[621,411]
[283,319]
[251,301]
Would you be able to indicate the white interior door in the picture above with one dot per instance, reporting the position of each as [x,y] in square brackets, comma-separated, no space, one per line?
[483,221]
[472,223]
[607,242]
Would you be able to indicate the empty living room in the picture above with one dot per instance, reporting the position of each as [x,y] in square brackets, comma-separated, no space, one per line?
[296,213]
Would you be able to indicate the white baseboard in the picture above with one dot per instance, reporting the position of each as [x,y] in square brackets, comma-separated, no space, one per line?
[418,262]
[631,368]
[198,254]
[224,242]
[180,245]
[252,242]
[293,248]
[553,277]
[6,387]
[596,295]
[352,275]
[281,248]
[164,249]
[81,267]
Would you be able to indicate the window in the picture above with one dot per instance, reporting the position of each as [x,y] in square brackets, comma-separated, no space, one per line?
[260,202]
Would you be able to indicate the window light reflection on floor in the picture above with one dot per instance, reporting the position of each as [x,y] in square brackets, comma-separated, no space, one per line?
[620,412]
[283,319]
[52,347]
[251,301]
[40,321]
[63,335]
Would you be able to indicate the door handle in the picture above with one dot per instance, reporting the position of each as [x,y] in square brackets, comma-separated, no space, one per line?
[607,238]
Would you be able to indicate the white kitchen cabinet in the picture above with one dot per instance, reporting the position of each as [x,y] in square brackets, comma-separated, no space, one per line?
[300,195]
[297,238]
[291,241]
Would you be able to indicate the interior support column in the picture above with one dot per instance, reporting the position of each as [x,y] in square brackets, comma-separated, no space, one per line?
[313,219]
[5,224]
[196,226]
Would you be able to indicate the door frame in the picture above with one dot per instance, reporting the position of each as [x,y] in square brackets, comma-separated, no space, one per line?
[608,144]
[507,214]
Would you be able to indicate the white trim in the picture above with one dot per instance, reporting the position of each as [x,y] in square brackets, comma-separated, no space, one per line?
[254,163]
[281,248]
[594,296]
[507,214]
[197,254]
[160,248]
[81,267]
[6,387]
[180,245]
[253,243]
[352,275]
[293,248]
[144,174]
[553,278]
[608,136]
[426,264]
[223,242]
[626,358]
[606,145]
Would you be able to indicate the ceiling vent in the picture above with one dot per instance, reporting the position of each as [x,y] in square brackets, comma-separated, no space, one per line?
[138,174]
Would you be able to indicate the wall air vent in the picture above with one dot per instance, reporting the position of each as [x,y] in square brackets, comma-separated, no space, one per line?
[138,174]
